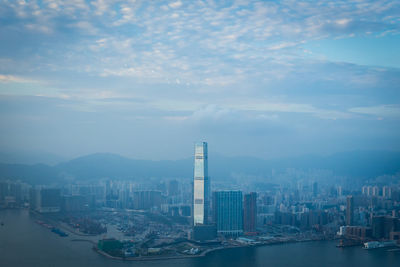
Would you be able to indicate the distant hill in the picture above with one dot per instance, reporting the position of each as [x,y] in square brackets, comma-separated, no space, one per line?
[30,157]
[32,174]
[111,165]
[364,164]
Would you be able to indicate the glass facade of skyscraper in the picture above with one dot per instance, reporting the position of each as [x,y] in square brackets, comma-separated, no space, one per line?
[228,212]
[350,210]
[201,185]
[250,212]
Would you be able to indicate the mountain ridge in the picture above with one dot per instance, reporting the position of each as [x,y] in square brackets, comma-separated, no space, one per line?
[364,164]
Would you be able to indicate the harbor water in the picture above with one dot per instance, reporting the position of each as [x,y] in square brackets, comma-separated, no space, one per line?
[23,242]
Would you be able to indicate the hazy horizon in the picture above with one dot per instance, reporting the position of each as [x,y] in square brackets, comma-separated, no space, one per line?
[42,157]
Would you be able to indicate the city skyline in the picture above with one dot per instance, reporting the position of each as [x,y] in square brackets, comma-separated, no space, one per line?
[168,218]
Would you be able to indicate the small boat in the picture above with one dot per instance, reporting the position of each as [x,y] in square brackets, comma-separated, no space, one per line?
[376,244]
[59,232]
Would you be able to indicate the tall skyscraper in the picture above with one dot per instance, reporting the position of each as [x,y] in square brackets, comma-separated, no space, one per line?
[375,191]
[386,192]
[250,212]
[339,191]
[349,210]
[228,212]
[365,190]
[201,185]
[315,189]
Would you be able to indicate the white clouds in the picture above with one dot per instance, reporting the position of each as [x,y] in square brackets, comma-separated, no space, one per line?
[276,107]
[63,6]
[211,112]
[39,28]
[199,48]
[128,15]
[86,26]
[382,111]
[175,4]
[287,107]
[175,15]
[101,6]
[342,22]
[249,109]
[195,69]
[243,30]
[131,72]
[14,79]
[282,45]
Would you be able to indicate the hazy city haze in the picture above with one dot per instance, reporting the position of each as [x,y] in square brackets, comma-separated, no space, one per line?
[146,79]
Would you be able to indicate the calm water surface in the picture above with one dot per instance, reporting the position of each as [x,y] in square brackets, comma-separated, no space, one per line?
[25,243]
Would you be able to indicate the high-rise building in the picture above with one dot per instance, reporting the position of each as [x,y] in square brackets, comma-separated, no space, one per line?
[147,200]
[45,199]
[228,212]
[349,210]
[74,203]
[315,189]
[201,185]
[384,226]
[339,191]
[386,192]
[173,188]
[250,212]
[364,190]
[369,191]
[375,191]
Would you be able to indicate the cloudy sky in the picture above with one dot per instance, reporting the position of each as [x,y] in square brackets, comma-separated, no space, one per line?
[146,79]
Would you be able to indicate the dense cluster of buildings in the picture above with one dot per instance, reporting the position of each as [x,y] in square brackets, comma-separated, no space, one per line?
[13,194]
[369,212]
[374,214]
[371,215]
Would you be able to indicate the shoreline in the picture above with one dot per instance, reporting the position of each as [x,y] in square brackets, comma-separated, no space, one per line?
[81,238]
[202,254]
[61,225]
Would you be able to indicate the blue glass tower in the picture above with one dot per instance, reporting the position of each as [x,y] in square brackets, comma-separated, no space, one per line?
[228,212]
